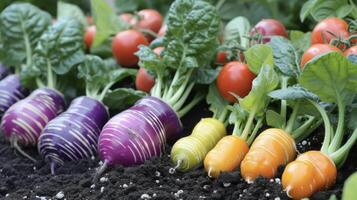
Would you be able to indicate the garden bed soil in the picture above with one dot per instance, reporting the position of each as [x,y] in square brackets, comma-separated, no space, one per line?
[22,179]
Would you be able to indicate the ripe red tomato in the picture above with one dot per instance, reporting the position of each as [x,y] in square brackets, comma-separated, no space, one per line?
[351,50]
[235,77]
[149,19]
[270,27]
[221,57]
[125,44]
[162,30]
[89,36]
[335,25]
[144,81]
[315,50]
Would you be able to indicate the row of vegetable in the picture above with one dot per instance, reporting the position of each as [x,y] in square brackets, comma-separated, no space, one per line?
[251,77]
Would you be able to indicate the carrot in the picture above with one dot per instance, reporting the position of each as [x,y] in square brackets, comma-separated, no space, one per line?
[226,155]
[316,172]
[272,148]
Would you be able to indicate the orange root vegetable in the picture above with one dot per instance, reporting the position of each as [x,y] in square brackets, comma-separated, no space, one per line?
[226,155]
[272,148]
[310,172]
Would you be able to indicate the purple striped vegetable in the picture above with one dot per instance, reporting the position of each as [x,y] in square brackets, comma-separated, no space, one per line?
[139,133]
[11,91]
[24,121]
[73,135]
[3,71]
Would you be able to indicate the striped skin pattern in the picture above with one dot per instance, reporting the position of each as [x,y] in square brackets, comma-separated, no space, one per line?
[3,71]
[311,172]
[73,135]
[272,148]
[139,133]
[26,119]
[11,92]
[188,152]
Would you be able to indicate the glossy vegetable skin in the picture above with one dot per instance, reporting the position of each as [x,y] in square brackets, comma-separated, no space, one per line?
[149,19]
[73,135]
[139,133]
[272,148]
[269,27]
[89,36]
[351,50]
[235,77]
[322,31]
[316,172]
[188,152]
[316,50]
[125,44]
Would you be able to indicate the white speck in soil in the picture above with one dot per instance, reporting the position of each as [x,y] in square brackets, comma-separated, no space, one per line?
[6,195]
[206,187]
[93,158]
[60,195]
[157,173]
[154,195]
[157,181]
[130,183]
[277,180]
[100,163]
[226,184]
[24,197]
[125,185]
[271,180]
[267,195]
[145,196]
[201,197]
[101,189]
[42,198]
[277,198]
[304,142]
[177,194]
[103,179]
[177,179]
[214,191]
[92,186]
[34,168]
[245,190]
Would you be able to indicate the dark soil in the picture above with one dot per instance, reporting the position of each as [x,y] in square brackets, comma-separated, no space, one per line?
[21,179]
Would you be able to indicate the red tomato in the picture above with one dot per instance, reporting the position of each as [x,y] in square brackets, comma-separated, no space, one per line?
[144,81]
[235,77]
[335,25]
[127,17]
[149,19]
[221,57]
[315,50]
[125,44]
[89,36]
[351,50]
[162,30]
[270,27]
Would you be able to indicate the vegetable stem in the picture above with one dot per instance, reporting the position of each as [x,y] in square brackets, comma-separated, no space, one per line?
[337,139]
[284,84]
[222,117]
[188,107]
[339,155]
[183,98]
[291,122]
[219,4]
[304,129]
[248,125]
[255,131]
[27,46]
[172,100]
[237,128]
[51,79]
[104,92]
[177,75]
[100,171]
[15,144]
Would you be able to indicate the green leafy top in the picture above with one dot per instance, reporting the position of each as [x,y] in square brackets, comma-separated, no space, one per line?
[58,50]
[259,55]
[349,187]
[21,26]
[190,43]
[70,10]
[238,29]
[333,78]
[217,104]
[99,77]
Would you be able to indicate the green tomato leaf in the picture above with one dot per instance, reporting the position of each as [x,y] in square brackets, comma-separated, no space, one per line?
[295,92]
[60,47]
[190,40]
[352,117]
[307,8]
[259,55]
[68,10]
[330,76]
[274,119]
[107,22]
[122,98]
[205,76]
[238,29]
[21,24]
[215,101]
[258,99]
[238,114]
[285,56]
[300,40]
[149,60]
[349,188]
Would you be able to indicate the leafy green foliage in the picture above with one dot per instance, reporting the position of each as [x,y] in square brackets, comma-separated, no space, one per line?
[121,98]
[106,21]
[259,55]
[205,75]
[99,77]
[135,5]
[349,188]
[238,29]
[216,102]
[274,119]
[295,92]
[300,40]
[238,114]
[21,27]
[70,10]
[286,58]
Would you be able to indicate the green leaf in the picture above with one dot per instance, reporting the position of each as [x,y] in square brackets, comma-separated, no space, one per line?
[128,6]
[122,98]
[238,114]
[215,101]
[330,76]
[259,55]
[285,56]
[70,10]
[295,92]
[258,99]
[274,119]
[60,46]
[106,21]
[238,29]
[300,40]
[349,188]
[352,117]
[307,8]
[333,197]
[150,60]
[205,76]
[190,40]
[327,8]
[353,58]
[21,24]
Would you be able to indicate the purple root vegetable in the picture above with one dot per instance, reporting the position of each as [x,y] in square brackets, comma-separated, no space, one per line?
[3,71]
[24,121]
[138,133]
[73,135]
[11,92]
